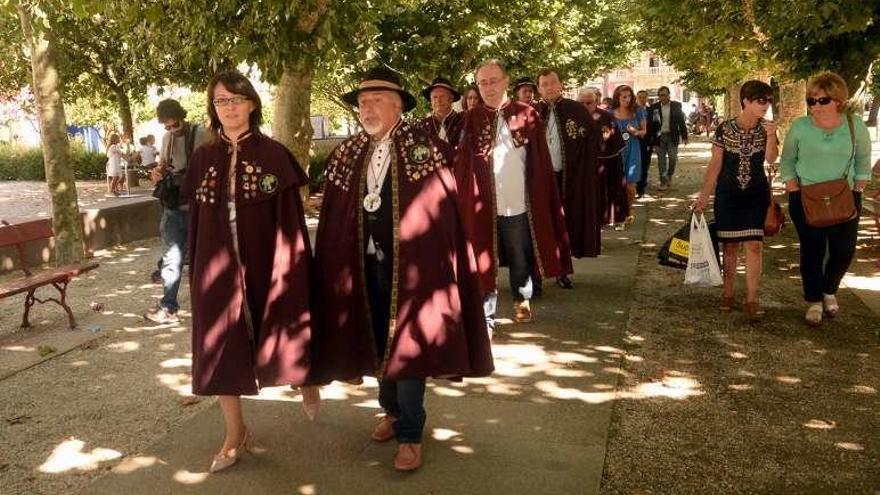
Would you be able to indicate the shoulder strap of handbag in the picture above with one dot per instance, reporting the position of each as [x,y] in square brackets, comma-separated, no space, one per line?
[190,142]
[852,138]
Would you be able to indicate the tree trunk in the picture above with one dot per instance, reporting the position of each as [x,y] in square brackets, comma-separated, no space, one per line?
[792,104]
[66,222]
[291,122]
[732,106]
[124,103]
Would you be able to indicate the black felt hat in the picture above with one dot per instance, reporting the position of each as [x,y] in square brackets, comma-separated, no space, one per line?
[524,81]
[441,82]
[381,79]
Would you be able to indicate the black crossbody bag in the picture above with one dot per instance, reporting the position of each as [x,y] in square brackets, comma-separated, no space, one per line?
[167,190]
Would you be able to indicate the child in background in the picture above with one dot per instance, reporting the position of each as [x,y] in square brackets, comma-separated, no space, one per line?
[148,152]
[114,166]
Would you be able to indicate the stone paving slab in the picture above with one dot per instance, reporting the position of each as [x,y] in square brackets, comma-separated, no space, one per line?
[538,425]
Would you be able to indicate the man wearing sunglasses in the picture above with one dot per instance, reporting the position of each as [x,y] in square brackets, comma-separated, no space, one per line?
[177,146]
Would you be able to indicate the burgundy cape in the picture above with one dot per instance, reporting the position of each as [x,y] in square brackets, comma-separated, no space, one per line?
[476,190]
[454,122]
[612,179]
[580,176]
[271,280]
[437,326]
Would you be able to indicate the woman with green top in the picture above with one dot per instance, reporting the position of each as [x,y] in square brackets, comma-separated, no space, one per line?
[818,148]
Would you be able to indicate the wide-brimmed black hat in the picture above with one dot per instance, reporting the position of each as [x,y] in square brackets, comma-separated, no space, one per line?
[441,82]
[524,81]
[381,79]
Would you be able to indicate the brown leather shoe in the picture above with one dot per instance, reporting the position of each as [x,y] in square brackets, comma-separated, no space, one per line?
[753,310]
[522,312]
[409,457]
[384,431]
[726,305]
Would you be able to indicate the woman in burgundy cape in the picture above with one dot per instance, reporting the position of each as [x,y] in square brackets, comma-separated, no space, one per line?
[250,256]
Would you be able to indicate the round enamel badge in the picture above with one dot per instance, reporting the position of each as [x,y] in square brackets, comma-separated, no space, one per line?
[419,153]
[268,183]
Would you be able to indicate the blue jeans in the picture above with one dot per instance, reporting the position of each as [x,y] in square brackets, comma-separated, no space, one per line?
[173,231]
[405,400]
[668,151]
[516,249]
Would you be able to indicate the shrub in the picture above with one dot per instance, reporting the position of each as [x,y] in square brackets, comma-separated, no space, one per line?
[321,149]
[316,170]
[19,162]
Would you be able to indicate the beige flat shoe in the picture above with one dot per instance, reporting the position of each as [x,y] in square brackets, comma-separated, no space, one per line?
[227,459]
[829,305]
[814,315]
[311,401]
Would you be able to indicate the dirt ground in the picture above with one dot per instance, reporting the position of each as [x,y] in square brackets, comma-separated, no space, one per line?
[116,393]
[780,407]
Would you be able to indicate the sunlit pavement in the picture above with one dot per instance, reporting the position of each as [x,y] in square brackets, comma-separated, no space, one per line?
[538,425]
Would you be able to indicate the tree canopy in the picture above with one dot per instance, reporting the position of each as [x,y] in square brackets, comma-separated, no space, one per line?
[718,42]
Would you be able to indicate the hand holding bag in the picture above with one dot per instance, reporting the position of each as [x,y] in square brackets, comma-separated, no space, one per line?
[702,269]
[831,202]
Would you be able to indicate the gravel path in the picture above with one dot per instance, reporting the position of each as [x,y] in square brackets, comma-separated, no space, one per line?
[113,395]
[772,407]
[29,199]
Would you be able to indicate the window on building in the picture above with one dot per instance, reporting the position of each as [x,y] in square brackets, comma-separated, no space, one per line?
[653,62]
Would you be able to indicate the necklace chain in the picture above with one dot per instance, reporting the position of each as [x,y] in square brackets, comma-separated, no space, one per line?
[378,176]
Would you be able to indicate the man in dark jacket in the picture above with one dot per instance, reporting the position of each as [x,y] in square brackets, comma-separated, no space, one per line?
[668,129]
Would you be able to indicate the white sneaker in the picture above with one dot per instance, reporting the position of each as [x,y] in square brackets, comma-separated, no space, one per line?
[814,315]
[829,304]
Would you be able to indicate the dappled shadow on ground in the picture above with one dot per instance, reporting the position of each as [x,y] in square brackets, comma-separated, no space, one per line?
[786,408]
[553,375]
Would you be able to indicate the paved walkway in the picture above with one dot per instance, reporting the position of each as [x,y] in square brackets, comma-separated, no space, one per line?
[538,425]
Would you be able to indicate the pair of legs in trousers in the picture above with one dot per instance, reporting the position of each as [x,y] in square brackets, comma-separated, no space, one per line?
[515,247]
[667,158]
[173,231]
[821,274]
[642,184]
[402,400]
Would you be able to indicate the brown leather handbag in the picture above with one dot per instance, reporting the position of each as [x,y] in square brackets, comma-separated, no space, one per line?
[831,202]
[773,219]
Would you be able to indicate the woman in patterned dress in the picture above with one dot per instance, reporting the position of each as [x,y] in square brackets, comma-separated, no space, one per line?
[742,191]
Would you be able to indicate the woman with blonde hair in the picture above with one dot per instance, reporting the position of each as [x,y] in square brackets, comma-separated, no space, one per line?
[828,144]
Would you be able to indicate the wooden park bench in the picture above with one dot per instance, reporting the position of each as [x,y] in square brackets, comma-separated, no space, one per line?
[18,235]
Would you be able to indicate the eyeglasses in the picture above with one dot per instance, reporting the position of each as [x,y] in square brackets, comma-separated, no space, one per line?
[171,127]
[235,100]
[821,101]
[763,100]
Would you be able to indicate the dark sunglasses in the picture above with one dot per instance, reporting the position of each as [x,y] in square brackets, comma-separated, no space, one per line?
[764,99]
[170,127]
[821,101]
